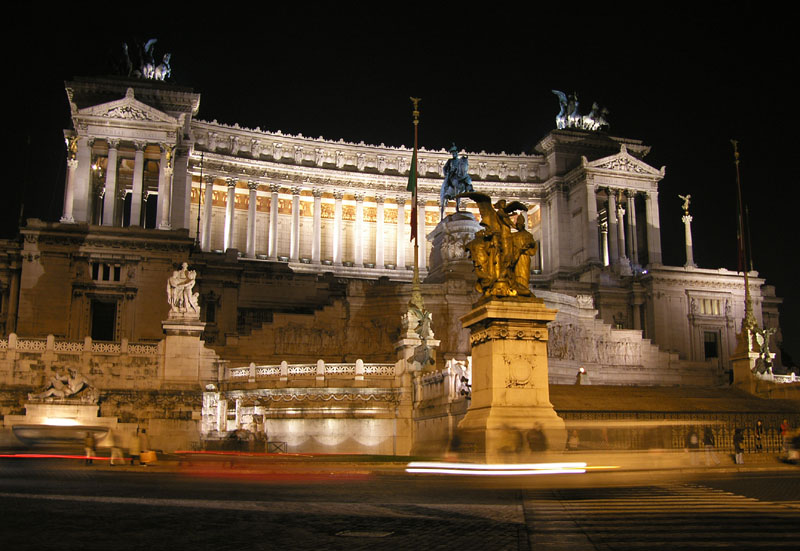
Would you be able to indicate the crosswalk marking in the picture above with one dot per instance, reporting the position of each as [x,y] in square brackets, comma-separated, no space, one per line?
[658,517]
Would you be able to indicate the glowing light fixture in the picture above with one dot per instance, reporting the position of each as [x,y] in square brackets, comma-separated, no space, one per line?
[61,422]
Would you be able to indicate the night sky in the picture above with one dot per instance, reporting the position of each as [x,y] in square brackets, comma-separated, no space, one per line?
[684,78]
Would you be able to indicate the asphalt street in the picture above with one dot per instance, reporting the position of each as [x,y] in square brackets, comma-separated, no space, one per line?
[63,505]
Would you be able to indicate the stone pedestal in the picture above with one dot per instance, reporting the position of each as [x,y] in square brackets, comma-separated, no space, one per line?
[510,408]
[449,257]
[183,350]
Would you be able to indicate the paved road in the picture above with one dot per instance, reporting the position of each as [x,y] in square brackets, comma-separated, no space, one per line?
[353,508]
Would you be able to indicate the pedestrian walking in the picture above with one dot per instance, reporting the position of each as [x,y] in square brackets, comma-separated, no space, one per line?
[116,452]
[738,449]
[708,444]
[785,430]
[88,446]
[759,433]
[135,449]
[693,445]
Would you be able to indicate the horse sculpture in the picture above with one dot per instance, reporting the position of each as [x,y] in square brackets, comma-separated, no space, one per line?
[456,180]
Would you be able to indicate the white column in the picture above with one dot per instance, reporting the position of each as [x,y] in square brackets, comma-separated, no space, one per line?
[273,221]
[162,164]
[358,230]
[251,219]
[653,228]
[316,241]
[687,225]
[110,197]
[612,227]
[401,240]
[138,184]
[633,245]
[621,226]
[165,201]
[83,176]
[379,259]
[337,228]
[421,235]
[164,219]
[230,212]
[294,236]
[69,192]
[604,238]
[590,236]
[208,204]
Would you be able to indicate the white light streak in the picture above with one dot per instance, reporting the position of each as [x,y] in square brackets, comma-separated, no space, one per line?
[497,469]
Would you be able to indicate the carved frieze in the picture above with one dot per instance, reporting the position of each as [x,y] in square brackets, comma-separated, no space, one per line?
[507,331]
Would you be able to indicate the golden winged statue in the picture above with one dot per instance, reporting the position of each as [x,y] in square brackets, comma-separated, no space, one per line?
[501,252]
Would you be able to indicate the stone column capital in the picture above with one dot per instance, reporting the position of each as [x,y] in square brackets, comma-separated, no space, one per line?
[113,143]
[338,195]
[251,185]
[316,192]
[359,197]
[274,188]
[296,190]
[401,201]
[231,182]
[380,199]
[687,218]
[209,179]
[72,163]
[139,145]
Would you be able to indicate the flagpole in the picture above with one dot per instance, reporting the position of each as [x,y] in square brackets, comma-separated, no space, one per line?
[416,292]
[749,321]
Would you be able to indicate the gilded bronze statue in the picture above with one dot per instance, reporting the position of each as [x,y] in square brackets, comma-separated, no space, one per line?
[501,252]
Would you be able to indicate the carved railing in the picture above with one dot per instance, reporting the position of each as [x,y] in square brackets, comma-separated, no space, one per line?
[50,344]
[319,370]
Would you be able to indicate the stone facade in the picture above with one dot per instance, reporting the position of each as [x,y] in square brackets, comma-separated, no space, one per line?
[302,251]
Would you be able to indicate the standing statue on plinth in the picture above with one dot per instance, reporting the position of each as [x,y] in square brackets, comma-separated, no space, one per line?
[501,257]
[686,199]
[456,179]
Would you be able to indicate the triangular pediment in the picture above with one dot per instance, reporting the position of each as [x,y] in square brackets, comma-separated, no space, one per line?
[128,109]
[623,162]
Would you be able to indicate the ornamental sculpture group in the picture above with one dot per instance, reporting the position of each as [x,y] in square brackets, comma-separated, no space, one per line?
[180,294]
[501,252]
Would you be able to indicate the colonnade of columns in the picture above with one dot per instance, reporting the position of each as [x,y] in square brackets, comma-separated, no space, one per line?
[358,228]
[81,187]
[619,236]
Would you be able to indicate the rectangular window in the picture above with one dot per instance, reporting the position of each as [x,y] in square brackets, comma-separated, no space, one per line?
[711,344]
[104,320]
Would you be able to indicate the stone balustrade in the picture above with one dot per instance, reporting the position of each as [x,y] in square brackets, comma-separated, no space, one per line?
[107,364]
[319,371]
[50,344]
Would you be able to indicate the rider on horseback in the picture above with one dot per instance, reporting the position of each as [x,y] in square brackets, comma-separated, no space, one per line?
[456,179]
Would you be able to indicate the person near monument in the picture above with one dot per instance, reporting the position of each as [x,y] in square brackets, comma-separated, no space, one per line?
[785,430]
[116,452]
[693,445]
[135,450]
[738,449]
[709,444]
[759,432]
[88,446]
